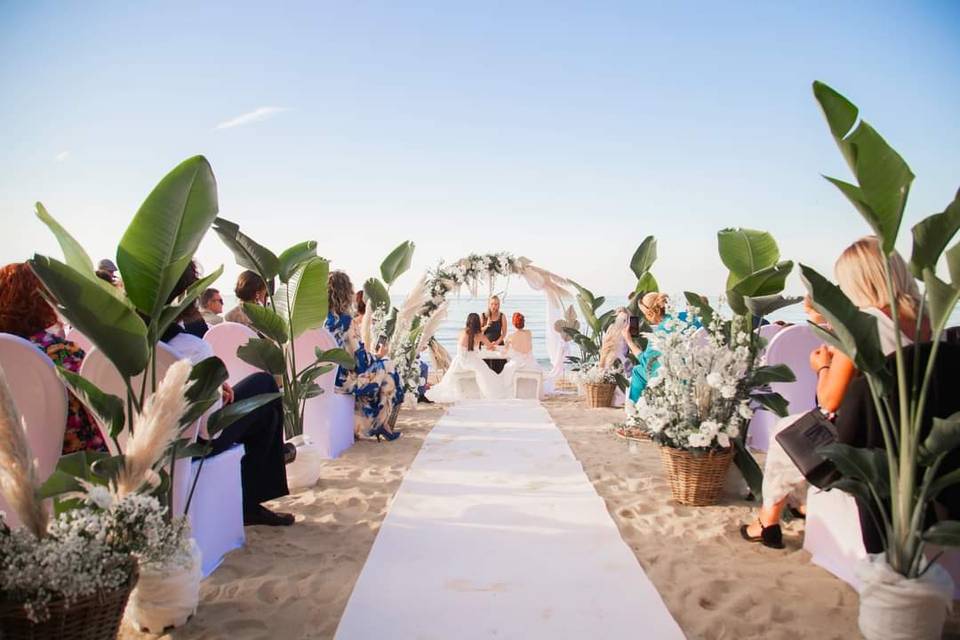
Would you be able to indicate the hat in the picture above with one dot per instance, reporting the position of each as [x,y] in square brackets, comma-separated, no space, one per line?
[107,265]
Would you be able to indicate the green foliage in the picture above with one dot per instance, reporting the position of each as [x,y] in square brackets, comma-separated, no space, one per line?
[303,298]
[248,253]
[263,354]
[397,262]
[902,479]
[106,408]
[376,294]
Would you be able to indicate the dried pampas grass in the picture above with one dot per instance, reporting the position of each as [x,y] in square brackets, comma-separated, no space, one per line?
[155,430]
[19,482]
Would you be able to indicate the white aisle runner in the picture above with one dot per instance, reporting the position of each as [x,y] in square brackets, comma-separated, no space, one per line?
[496,532]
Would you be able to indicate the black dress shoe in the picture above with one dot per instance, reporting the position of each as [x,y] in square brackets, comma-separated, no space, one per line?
[260,515]
[771,536]
[289,452]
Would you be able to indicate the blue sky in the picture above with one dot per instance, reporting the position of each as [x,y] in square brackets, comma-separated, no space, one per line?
[561,131]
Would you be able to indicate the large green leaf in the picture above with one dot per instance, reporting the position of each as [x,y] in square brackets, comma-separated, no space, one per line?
[646,284]
[761,306]
[953,264]
[262,354]
[943,438]
[764,282]
[376,294]
[945,533]
[108,321]
[586,308]
[884,178]
[866,465]
[583,292]
[337,356]
[854,331]
[206,380]
[644,257]
[942,299]
[397,263]
[247,252]
[303,299]
[74,255]
[701,307]
[749,469]
[170,313]
[932,235]
[106,408]
[268,322]
[165,233]
[70,468]
[293,257]
[746,251]
[772,373]
[773,402]
[227,415]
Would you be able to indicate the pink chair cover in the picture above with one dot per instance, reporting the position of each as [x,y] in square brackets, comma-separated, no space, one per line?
[41,400]
[790,346]
[226,338]
[328,418]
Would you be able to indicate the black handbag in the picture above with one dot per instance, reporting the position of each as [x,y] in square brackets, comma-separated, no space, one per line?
[801,440]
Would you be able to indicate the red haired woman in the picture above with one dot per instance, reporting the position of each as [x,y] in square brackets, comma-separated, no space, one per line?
[25,313]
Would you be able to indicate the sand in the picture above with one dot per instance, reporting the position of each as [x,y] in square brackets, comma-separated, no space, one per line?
[290,583]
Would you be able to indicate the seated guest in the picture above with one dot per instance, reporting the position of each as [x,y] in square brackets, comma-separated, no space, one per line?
[262,470]
[861,275]
[107,271]
[250,288]
[193,322]
[374,383]
[24,312]
[211,306]
[520,345]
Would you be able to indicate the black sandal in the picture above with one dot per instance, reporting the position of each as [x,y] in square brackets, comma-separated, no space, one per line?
[771,536]
[796,513]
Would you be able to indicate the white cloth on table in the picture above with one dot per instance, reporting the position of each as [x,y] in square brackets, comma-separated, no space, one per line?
[491,385]
[781,477]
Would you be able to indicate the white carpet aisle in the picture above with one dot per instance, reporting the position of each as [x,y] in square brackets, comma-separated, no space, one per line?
[496,532]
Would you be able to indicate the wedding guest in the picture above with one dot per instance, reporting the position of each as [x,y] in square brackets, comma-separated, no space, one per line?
[211,306]
[653,306]
[262,469]
[250,288]
[24,312]
[373,382]
[520,342]
[492,322]
[107,271]
[860,272]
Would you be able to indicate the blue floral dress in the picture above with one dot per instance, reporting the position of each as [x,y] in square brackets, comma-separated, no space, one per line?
[373,382]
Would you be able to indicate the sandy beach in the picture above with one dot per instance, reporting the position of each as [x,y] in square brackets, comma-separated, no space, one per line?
[295,582]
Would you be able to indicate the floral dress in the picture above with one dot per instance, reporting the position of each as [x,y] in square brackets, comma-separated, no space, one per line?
[373,382]
[82,433]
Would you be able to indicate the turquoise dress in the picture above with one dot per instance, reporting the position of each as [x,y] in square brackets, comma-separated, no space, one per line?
[649,360]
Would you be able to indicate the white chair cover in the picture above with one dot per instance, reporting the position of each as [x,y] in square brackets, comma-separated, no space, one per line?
[226,338]
[41,400]
[767,331]
[327,419]
[790,346]
[216,511]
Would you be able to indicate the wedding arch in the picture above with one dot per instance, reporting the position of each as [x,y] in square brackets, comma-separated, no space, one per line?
[425,308]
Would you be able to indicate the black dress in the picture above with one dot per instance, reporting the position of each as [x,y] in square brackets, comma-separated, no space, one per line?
[493,332]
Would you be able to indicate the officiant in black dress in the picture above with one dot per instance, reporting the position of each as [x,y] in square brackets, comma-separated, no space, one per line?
[495,329]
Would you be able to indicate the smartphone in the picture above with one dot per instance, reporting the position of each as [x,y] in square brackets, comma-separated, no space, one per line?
[381,341]
[634,326]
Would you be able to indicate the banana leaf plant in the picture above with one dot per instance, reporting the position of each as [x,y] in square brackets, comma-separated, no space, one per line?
[755,283]
[126,324]
[902,480]
[298,305]
[377,290]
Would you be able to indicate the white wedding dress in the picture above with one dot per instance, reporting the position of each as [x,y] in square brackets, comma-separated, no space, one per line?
[448,390]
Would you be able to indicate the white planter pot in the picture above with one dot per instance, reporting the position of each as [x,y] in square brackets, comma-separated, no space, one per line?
[166,596]
[896,608]
[303,472]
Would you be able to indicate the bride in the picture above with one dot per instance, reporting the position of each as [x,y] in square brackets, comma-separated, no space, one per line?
[468,360]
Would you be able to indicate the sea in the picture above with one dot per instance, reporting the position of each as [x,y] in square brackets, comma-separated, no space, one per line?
[534,309]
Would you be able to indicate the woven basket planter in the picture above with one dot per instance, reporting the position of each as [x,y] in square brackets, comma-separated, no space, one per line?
[95,617]
[696,480]
[599,396]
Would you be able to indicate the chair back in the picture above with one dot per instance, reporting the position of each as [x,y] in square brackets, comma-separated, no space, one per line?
[790,346]
[316,410]
[767,331]
[226,338]
[40,396]
[80,340]
[100,371]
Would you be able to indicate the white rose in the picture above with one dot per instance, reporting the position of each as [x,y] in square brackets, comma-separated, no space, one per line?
[723,439]
[715,380]
[728,391]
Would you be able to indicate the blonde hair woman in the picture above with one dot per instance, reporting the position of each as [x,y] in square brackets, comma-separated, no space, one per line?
[493,323]
[860,272]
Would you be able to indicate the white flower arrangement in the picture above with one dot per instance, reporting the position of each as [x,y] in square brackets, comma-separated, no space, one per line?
[697,399]
[593,373]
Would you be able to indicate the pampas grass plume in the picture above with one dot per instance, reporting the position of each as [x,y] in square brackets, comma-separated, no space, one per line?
[19,481]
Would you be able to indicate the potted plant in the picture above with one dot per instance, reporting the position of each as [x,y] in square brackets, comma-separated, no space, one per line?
[695,406]
[599,383]
[904,592]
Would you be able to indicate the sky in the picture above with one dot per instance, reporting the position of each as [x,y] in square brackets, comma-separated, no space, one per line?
[564,132]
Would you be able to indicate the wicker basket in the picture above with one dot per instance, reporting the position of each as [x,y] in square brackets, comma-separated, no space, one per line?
[696,480]
[95,617]
[599,396]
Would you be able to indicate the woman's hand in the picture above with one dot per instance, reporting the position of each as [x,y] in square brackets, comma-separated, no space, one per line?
[821,357]
[633,346]
[382,351]
[227,392]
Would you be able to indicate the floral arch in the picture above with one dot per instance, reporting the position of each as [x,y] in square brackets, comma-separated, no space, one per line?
[425,308]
